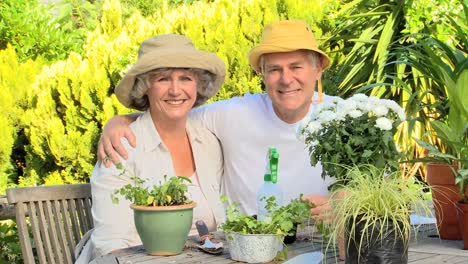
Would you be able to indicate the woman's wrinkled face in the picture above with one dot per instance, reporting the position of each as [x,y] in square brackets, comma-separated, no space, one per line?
[172,94]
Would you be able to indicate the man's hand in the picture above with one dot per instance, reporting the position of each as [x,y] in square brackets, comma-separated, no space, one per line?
[322,209]
[110,146]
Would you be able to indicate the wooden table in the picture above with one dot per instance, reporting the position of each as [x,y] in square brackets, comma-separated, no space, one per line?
[427,248]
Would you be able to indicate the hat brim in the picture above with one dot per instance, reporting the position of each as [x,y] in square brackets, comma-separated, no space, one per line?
[256,52]
[173,58]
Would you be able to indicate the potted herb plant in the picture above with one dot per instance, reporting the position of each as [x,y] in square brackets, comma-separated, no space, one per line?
[353,131]
[163,214]
[374,214]
[258,241]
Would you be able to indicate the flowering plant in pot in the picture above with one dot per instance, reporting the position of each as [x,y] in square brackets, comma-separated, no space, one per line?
[258,241]
[353,131]
[374,215]
[163,214]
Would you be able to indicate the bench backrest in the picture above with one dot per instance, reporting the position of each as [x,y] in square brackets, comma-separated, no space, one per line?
[59,216]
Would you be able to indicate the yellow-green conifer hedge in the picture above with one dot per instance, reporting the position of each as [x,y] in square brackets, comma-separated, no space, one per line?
[15,82]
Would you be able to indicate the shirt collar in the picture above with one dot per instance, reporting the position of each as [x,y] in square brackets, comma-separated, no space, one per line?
[152,140]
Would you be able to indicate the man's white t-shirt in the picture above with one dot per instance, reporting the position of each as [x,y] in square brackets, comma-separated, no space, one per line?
[246,127]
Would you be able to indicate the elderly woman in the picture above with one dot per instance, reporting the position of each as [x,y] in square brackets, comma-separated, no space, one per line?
[168,80]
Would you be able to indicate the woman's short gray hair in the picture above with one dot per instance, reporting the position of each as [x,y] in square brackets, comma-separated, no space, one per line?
[205,80]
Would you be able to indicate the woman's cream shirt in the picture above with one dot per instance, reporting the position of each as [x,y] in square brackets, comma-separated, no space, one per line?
[151,160]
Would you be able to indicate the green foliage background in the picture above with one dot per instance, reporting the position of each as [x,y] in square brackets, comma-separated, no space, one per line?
[58,76]
[59,64]
[60,95]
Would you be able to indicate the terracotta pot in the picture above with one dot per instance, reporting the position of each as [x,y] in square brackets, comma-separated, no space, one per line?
[445,196]
[462,213]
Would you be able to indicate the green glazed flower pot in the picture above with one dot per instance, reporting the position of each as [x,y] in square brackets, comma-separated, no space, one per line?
[163,230]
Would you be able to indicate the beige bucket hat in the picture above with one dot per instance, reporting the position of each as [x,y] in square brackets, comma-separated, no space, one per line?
[285,36]
[171,51]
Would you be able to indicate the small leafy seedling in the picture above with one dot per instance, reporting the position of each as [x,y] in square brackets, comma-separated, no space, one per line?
[171,192]
[281,221]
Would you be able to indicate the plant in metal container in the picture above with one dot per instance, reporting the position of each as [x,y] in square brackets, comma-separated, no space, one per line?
[163,213]
[258,241]
[373,212]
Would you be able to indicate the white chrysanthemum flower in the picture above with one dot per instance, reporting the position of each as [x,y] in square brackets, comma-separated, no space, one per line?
[336,99]
[300,127]
[365,107]
[383,123]
[299,135]
[380,110]
[323,107]
[313,127]
[314,143]
[326,116]
[303,123]
[401,114]
[347,105]
[391,104]
[374,99]
[396,108]
[341,115]
[312,116]
[359,97]
[355,113]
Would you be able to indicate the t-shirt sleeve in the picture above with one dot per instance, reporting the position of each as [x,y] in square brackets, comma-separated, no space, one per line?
[217,116]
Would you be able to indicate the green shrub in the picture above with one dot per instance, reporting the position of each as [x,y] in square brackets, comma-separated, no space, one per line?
[64,119]
[15,80]
[10,250]
[34,29]
[148,8]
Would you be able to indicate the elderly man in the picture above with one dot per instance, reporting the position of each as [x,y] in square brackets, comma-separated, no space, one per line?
[290,64]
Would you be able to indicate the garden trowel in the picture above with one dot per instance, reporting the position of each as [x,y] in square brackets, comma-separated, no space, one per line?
[206,243]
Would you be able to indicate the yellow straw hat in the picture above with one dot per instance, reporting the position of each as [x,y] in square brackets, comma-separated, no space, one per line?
[171,51]
[285,36]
